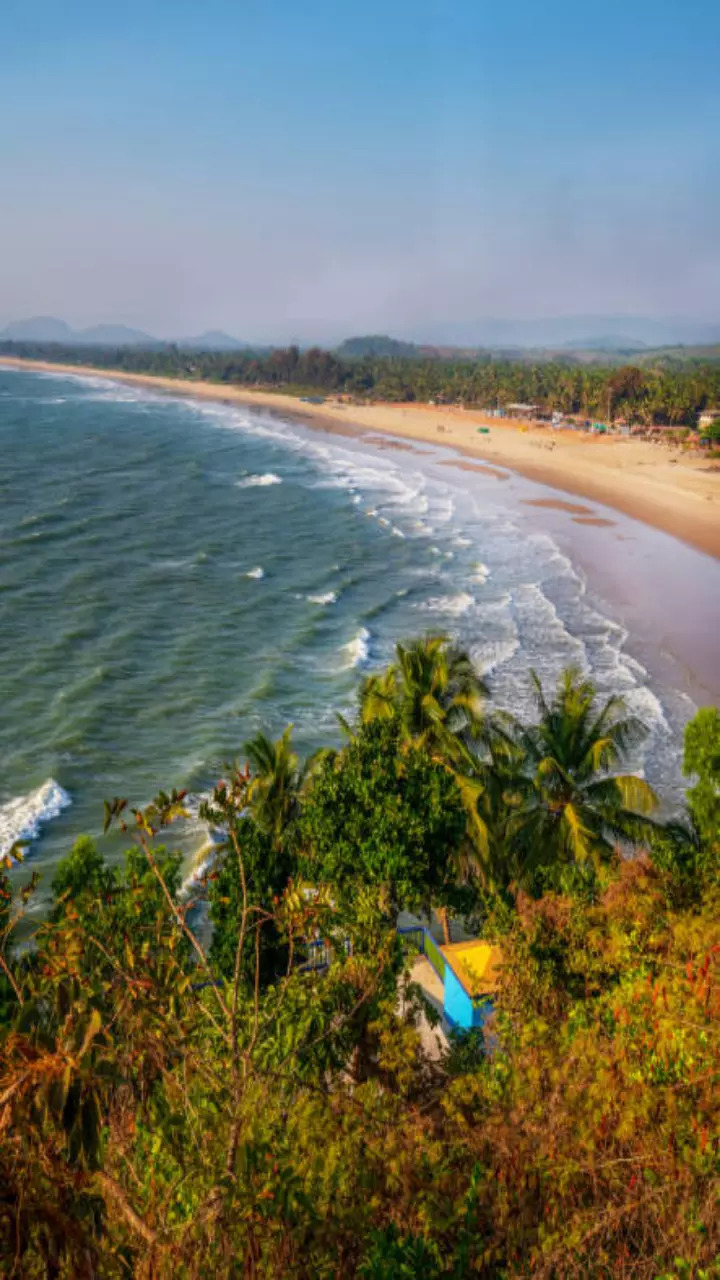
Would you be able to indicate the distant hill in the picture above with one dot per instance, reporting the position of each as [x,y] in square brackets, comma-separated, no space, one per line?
[679,357]
[608,342]
[38,329]
[377,345]
[568,332]
[213,340]
[49,329]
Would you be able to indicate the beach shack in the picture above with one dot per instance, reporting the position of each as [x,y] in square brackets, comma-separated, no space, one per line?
[471,973]
[523,410]
[459,978]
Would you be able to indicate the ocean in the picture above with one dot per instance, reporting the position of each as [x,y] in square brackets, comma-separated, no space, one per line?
[176,575]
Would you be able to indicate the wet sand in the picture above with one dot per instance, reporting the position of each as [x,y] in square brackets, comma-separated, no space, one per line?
[554,504]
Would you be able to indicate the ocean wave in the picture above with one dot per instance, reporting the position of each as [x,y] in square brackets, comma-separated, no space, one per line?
[357,651]
[442,508]
[256,573]
[327,597]
[646,705]
[455,605]
[22,817]
[252,482]
[172,566]
[546,640]
[205,857]
[489,654]
[480,573]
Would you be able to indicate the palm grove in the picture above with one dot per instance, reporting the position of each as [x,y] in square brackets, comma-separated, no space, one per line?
[176,1100]
[661,389]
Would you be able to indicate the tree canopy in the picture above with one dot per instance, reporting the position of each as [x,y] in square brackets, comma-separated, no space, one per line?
[660,389]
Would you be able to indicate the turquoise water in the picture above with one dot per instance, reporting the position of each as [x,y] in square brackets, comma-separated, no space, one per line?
[175,576]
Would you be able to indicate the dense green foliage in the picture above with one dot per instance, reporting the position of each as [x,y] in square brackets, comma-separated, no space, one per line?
[665,392]
[376,816]
[171,1111]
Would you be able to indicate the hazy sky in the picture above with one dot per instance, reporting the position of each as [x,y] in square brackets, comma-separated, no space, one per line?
[313,168]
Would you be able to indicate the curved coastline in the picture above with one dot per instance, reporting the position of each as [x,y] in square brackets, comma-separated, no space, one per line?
[668,490]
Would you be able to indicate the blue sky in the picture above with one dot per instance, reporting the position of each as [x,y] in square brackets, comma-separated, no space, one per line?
[284,169]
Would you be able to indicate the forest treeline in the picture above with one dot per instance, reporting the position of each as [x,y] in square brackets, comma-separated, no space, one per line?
[671,395]
[178,1105]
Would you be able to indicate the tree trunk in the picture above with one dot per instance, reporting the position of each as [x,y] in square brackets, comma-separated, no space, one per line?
[442,916]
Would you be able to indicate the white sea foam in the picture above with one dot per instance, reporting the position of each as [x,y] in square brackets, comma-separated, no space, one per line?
[21,818]
[327,597]
[644,704]
[480,573]
[252,482]
[357,650]
[455,605]
[442,508]
[204,858]
[489,654]
[545,638]
[256,573]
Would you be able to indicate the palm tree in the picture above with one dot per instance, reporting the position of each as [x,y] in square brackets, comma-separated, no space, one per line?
[502,790]
[572,807]
[276,782]
[378,695]
[434,691]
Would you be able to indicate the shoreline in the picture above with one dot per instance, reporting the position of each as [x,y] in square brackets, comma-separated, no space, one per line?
[662,487]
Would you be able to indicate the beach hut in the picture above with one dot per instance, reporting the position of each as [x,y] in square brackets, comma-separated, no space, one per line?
[471,974]
[459,978]
[523,410]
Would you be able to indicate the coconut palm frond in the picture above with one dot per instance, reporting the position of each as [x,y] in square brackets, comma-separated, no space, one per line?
[579,838]
[626,791]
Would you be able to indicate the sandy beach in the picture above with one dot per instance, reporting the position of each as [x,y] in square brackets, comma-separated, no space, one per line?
[669,488]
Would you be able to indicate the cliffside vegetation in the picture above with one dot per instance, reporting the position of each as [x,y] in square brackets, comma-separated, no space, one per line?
[175,1107]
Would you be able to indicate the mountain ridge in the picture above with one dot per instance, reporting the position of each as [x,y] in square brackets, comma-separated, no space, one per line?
[51,329]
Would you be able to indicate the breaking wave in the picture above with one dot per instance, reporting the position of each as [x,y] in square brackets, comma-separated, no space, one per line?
[22,817]
[328,597]
[252,482]
[455,606]
[357,651]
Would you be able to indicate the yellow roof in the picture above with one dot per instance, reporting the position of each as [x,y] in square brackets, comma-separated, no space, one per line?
[475,964]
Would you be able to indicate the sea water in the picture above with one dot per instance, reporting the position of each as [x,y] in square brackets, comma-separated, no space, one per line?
[176,575]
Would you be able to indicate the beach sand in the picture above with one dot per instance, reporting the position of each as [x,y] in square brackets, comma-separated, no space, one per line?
[666,487]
